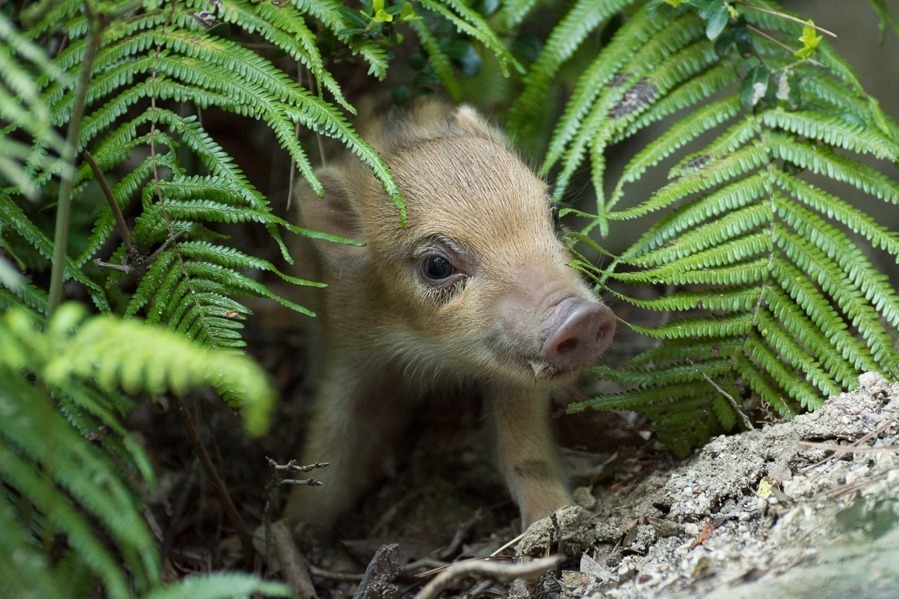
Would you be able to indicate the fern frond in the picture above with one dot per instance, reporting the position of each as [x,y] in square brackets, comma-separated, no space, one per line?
[438,58]
[513,12]
[24,571]
[760,382]
[53,384]
[691,92]
[736,299]
[72,460]
[23,108]
[185,293]
[18,222]
[735,197]
[836,284]
[759,259]
[822,160]
[284,27]
[837,247]
[839,210]
[702,179]
[468,21]
[583,19]
[787,350]
[688,348]
[833,131]
[22,475]
[804,292]
[649,398]
[616,106]
[738,223]
[797,347]
[720,328]
[222,585]
[328,13]
[633,35]
[798,322]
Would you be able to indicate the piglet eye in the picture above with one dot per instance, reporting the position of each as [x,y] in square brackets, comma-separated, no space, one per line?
[436,268]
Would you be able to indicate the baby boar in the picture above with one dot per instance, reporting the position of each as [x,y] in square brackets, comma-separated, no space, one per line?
[474,295]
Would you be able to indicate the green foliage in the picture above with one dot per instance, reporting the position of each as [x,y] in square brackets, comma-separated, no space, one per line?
[772,292]
[64,447]
[767,139]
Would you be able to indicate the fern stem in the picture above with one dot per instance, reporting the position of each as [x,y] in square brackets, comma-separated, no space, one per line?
[110,199]
[67,177]
[209,467]
[747,423]
[777,42]
[784,15]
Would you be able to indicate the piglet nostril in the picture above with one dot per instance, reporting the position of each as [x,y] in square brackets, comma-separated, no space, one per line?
[567,345]
[605,331]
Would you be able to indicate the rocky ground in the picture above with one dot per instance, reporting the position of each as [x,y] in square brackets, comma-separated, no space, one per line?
[808,508]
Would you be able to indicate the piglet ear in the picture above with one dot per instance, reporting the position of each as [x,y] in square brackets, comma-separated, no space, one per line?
[334,213]
[473,122]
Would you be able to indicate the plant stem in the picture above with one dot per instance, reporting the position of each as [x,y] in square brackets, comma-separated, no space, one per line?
[67,178]
[212,473]
[110,199]
[784,15]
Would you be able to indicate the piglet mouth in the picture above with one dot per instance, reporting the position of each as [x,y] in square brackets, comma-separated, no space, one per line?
[542,370]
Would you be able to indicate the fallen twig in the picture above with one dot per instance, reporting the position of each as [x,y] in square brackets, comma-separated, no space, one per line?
[209,467]
[503,572]
[849,448]
[338,576]
[294,566]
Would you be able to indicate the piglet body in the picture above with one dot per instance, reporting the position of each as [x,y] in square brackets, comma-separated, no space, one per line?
[474,294]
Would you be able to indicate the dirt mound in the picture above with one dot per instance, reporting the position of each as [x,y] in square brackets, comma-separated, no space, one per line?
[802,508]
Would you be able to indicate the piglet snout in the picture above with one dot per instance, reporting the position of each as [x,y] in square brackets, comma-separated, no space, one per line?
[576,333]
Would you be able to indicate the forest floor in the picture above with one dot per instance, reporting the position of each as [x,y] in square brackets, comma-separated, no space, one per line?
[808,508]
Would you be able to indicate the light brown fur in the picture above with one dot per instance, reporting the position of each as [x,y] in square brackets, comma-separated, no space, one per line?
[391,336]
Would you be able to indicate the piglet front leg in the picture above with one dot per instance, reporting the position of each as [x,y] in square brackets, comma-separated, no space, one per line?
[358,416]
[525,452]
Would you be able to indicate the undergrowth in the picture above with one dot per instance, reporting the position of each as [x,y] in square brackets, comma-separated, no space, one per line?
[113,191]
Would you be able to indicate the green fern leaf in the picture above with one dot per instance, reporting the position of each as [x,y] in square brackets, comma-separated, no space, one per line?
[328,13]
[635,33]
[837,209]
[222,585]
[853,262]
[797,322]
[513,12]
[805,294]
[17,221]
[438,59]
[468,21]
[284,27]
[738,223]
[798,357]
[737,299]
[833,131]
[681,133]
[824,161]
[583,18]
[24,572]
